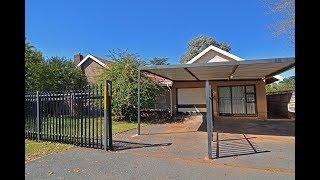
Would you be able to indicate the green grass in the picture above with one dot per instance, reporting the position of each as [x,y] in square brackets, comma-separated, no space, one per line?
[120,126]
[34,150]
[68,126]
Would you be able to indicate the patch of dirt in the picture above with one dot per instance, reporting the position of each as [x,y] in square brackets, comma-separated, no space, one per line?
[191,123]
[269,138]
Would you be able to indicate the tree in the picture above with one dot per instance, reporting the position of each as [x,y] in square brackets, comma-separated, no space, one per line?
[124,75]
[200,43]
[159,61]
[53,74]
[34,63]
[285,18]
[287,84]
[61,73]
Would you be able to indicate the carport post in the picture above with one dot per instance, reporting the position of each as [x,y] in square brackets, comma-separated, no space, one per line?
[209,117]
[138,101]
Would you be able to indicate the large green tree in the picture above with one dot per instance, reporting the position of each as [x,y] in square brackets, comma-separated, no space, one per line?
[61,73]
[34,64]
[123,74]
[200,43]
[52,74]
[159,61]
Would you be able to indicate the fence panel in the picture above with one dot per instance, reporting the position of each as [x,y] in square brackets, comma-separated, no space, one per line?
[72,116]
[30,116]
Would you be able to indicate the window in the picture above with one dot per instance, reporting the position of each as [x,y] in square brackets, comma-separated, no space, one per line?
[237,100]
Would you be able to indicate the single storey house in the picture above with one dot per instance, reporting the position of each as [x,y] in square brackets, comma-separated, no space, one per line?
[238,86]
[92,66]
[243,97]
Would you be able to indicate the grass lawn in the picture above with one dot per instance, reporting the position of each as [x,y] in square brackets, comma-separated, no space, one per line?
[34,150]
[120,126]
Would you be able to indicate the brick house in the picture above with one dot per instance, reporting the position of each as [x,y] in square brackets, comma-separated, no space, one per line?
[92,66]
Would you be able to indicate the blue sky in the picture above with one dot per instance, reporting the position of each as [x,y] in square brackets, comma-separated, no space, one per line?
[159,28]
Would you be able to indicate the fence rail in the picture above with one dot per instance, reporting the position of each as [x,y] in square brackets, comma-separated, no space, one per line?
[72,116]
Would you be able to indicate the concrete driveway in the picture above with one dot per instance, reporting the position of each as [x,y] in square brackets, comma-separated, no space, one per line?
[178,151]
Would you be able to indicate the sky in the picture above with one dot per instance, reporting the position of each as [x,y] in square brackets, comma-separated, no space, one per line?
[159,28]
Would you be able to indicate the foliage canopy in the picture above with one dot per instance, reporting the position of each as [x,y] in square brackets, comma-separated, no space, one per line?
[199,43]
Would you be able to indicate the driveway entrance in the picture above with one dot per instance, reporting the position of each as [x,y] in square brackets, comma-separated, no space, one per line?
[262,149]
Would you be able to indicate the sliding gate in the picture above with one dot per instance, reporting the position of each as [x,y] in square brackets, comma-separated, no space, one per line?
[79,116]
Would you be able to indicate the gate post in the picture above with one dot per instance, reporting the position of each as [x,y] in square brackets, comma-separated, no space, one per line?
[38,116]
[139,101]
[107,141]
[209,117]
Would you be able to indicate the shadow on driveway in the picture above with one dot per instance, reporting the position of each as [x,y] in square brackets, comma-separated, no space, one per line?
[231,147]
[249,126]
[123,145]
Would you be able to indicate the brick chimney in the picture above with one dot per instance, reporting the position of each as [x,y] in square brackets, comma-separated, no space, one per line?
[77,58]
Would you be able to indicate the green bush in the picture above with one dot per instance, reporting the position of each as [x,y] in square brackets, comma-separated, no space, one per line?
[123,74]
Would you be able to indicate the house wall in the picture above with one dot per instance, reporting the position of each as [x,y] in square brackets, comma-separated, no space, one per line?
[91,69]
[213,56]
[260,95]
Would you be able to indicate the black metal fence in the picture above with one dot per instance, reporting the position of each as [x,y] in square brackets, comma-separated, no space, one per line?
[73,116]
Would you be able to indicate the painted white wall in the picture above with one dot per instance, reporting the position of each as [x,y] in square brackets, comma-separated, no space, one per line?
[191,96]
[192,110]
[218,58]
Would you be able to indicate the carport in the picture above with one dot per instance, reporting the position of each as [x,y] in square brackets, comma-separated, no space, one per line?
[257,69]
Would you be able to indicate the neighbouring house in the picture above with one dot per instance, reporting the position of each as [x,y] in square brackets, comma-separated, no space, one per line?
[237,92]
[91,65]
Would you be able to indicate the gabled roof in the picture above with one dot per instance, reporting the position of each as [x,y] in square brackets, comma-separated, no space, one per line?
[100,61]
[232,56]
[211,47]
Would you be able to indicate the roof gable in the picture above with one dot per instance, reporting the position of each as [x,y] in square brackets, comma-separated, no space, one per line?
[213,48]
[100,61]
[223,52]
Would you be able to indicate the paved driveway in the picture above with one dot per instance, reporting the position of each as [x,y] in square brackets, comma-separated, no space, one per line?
[178,151]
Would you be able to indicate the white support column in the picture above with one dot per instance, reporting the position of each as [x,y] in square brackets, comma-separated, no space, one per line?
[139,102]
[209,118]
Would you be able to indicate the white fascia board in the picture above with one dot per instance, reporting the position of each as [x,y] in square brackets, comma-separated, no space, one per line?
[93,58]
[211,47]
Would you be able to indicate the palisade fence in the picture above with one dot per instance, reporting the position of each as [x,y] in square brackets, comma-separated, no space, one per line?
[72,116]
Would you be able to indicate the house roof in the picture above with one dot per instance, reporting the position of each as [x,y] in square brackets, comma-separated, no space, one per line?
[99,60]
[233,70]
[160,80]
[211,47]
[232,56]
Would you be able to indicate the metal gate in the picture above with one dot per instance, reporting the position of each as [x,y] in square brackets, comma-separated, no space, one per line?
[78,116]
